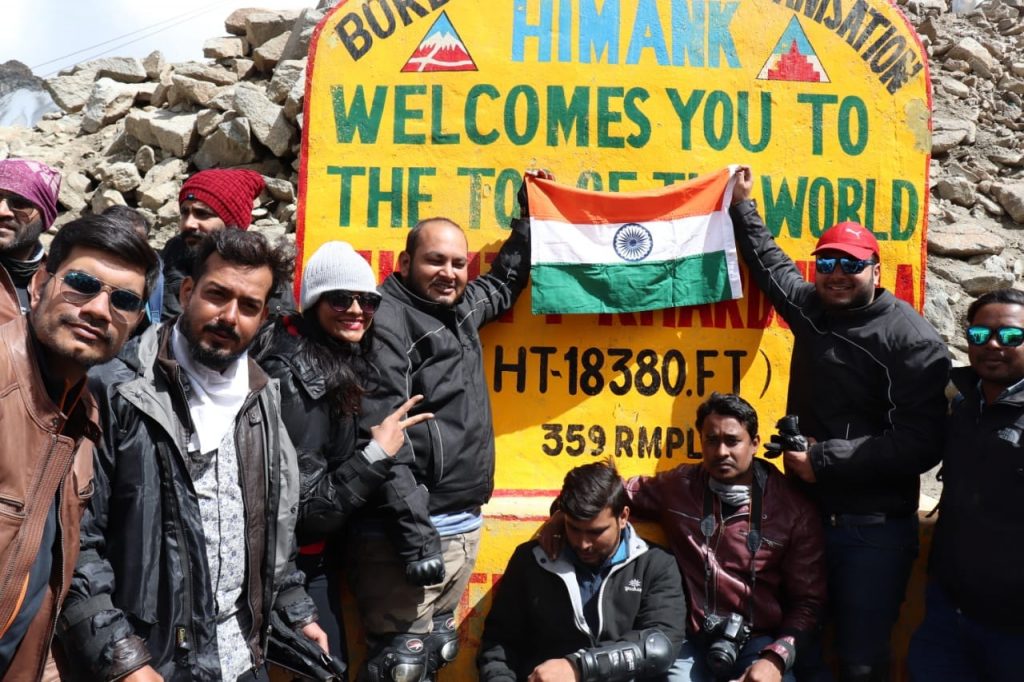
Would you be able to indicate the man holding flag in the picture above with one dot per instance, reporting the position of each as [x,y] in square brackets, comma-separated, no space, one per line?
[415,544]
[866,380]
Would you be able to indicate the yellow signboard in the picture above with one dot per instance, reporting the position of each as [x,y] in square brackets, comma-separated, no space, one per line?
[419,108]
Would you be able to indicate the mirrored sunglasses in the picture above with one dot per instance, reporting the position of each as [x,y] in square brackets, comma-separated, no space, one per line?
[849,266]
[1010,337]
[78,288]
[340,301]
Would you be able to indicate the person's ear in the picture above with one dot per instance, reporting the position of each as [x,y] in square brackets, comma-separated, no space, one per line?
[35,287]
[185,292]
[404,263]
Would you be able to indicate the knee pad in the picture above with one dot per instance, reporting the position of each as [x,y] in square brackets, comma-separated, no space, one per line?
[402,659]
[442,644]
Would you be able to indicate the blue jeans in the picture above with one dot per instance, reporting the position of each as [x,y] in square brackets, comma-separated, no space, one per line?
[951,647]
[868,570]
[690,666]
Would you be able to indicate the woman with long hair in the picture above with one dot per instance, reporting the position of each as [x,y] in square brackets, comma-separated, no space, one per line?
[322,359]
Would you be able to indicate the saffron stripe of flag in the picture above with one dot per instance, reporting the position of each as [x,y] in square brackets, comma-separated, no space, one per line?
[595,252]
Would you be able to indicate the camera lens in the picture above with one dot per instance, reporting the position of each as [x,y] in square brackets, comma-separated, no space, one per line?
[721,657]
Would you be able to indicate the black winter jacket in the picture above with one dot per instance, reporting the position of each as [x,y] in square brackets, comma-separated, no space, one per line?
[867,383]
[335,478]
[140,588]
[447,463]
[976,551]
[537,612]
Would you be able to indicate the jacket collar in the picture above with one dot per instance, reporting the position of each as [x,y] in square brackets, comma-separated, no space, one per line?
[966,380]
[396,289]
[155,344]
[562,565]
[40,406]
[883,301]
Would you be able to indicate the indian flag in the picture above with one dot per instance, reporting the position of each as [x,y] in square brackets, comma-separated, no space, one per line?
[598,252]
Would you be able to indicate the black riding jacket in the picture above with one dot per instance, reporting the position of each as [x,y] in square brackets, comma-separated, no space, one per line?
[867,383]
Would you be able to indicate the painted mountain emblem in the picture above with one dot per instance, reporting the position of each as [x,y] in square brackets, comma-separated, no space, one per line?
[440,50]
[793,58]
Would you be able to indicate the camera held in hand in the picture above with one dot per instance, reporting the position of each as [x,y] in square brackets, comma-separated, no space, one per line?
[787,438]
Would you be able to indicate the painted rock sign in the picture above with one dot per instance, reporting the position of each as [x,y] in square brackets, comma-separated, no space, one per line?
[418,108]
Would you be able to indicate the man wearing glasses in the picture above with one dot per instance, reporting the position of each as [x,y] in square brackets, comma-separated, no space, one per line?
[972,628]
[186,543]
[867,377]
[83,307]
[28,206]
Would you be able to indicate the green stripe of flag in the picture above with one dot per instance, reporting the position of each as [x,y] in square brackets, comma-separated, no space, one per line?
[629,287]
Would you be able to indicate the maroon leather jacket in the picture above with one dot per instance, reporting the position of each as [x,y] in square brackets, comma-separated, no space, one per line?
[790,589]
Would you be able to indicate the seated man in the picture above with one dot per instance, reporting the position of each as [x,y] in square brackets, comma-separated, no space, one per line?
[609,607]
[720,515]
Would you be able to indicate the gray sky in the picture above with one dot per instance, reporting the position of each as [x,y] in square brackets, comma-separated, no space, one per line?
[38,31]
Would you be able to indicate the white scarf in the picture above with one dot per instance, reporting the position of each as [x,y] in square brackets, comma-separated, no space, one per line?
[215,398]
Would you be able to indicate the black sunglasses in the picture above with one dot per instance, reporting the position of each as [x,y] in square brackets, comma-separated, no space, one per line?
[17,203]
[78,288]
[1010,337]
[340,301]
[849,266]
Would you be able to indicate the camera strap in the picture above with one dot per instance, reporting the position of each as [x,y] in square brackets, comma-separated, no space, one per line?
[709,525]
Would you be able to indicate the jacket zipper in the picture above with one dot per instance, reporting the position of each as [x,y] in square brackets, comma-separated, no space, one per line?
[56,595]
[17,505]
[242,414]
[183,632]
[5,584]
[600,595]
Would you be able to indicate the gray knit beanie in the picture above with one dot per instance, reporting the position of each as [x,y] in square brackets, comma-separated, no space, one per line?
[334,266]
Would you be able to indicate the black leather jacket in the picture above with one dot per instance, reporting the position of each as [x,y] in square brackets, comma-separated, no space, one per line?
[867,383]
[336,478]
[138,594]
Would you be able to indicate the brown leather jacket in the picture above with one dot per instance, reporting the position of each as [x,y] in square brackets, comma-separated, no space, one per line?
[10,308]
[790,588]
[43,453]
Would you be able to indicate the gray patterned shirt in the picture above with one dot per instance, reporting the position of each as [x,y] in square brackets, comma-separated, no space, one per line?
[215,477]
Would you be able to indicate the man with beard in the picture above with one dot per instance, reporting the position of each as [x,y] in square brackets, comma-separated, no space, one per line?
[210,201]
[28,206]
[187,541]
[83,307]
[867,381]
[415,544]
[973,629]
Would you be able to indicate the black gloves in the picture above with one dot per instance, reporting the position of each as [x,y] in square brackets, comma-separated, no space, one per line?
[426,571]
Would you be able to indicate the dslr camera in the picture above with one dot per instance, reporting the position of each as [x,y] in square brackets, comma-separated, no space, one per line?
[788,437]
[727,634]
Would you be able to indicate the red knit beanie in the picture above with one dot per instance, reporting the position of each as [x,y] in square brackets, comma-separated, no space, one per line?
[229,193]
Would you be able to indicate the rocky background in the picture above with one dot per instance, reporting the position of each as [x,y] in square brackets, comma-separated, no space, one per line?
[129,131]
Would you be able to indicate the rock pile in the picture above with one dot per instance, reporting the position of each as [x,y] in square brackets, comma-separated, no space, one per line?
[976,213]
[130,130]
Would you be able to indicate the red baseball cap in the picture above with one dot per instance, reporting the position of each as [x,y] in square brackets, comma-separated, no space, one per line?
[849,238]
